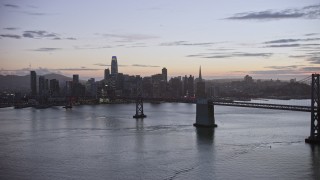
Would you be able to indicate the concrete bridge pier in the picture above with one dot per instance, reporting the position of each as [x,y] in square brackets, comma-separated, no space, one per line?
[205,114]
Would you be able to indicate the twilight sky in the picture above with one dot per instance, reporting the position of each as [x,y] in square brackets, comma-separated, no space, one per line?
[228,38]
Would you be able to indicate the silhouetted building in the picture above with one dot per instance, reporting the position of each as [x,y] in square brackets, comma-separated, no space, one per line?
[41,85]
[114,65]
[75,78]
[190,91]
[33,78]
[200,87]
[164,74]
[185,85]
[54,87]
[106,74]
[175,87]
[92,87]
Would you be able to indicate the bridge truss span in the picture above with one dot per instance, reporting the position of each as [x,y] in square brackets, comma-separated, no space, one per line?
[263,106]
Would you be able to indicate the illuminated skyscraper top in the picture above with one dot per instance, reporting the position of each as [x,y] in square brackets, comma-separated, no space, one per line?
[114,65]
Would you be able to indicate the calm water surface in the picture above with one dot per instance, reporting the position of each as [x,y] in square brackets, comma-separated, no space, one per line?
[105,142]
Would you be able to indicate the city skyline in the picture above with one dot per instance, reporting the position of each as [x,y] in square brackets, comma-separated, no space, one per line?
[228,39]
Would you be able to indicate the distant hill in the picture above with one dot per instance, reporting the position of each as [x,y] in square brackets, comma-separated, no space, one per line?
[22,83]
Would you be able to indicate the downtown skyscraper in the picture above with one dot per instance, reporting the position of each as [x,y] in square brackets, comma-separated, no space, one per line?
[114,65]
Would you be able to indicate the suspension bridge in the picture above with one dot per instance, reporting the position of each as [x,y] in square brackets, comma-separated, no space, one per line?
[205,108]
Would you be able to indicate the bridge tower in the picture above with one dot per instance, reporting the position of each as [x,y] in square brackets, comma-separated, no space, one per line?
[139,101]
[314,137]
[205,108]
[205,114]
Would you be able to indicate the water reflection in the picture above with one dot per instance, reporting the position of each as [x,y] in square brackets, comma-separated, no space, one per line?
[315,156]
[139,124]
[205,135]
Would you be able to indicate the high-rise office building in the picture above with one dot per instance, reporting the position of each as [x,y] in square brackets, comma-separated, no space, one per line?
[106,74]
[41,85]
[54,87]
[33,78]
[190,91]
[165,74]
[76,78]
[114,65]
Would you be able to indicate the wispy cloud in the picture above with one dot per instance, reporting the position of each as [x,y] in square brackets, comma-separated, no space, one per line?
[91,47]
[230,55]
[11,28]
[291,40]
[314,59]
[11,6]
[143,65]
[128,37]
[311,34]
[307,12]
[14,36]
[284,45]
[78,69]
[315,69]
[47,49]
[40,34]
[103,64]
[284,67]
[298,56]
[186,43]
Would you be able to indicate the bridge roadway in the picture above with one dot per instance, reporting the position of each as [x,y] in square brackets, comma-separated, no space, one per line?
[263,105]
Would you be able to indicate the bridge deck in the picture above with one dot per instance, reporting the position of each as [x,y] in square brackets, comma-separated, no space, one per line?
[264,106]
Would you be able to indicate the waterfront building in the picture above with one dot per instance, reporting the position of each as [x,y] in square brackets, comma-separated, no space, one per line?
[33,78]
[41,85]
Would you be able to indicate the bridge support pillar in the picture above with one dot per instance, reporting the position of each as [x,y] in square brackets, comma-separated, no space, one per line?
[205,114]
[314,137]
[139,101]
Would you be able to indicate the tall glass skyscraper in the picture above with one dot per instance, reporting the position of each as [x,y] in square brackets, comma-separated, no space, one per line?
[114,65]
[33,77]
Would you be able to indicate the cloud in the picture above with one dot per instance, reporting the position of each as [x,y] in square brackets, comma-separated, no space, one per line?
[283,67]
[142,65]
[71,38]
[101,64]
[312,68]
[307,12]
[298,56]
[186,43]
[284,45]
[11,6]
[46,49]
[291,40]
[77,69]
[91,47]
[11,28]
[277,72]
[314,59]
[14,36]
[40,34]
[311,34]
[128,37]
[230,55]
[35,13]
